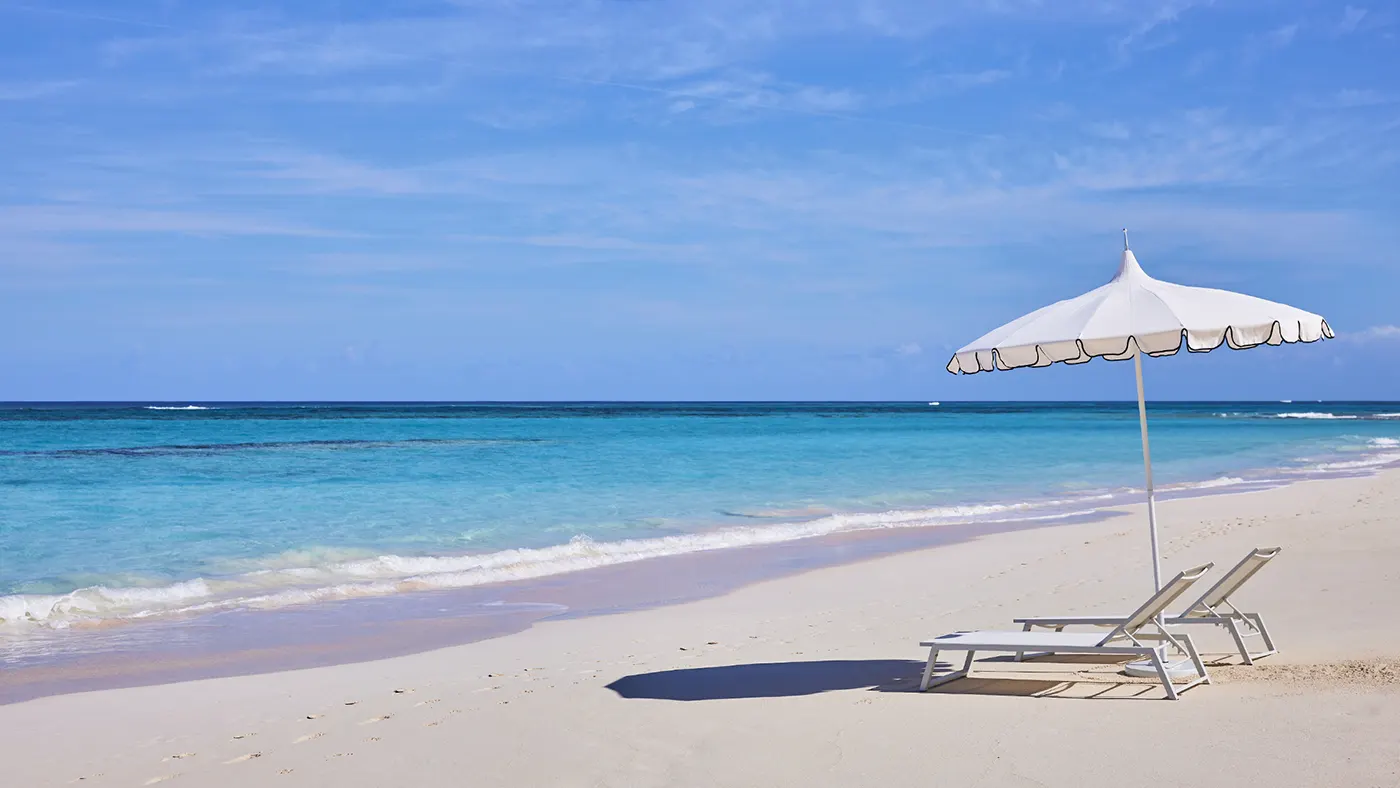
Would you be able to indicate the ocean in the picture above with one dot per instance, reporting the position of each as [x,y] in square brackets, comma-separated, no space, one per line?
[115,513]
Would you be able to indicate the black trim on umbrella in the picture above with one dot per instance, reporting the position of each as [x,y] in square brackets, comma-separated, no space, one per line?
[1227,337]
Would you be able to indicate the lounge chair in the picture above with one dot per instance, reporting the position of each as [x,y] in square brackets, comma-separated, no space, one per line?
[1129,638]
[1213,608]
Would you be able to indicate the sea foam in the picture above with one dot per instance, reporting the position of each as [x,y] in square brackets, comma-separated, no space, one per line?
[279,581]
[179,407]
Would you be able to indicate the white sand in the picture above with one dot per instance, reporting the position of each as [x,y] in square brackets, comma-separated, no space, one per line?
[534,708]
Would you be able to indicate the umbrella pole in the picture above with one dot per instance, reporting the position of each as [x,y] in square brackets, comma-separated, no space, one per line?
[1147,464]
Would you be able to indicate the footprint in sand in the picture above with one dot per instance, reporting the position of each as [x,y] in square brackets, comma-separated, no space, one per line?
[177,756]
[404,691]
[244,735]
[308,737]
[240,759]
[380,718]
[426,702]
[160,779]
[314,716]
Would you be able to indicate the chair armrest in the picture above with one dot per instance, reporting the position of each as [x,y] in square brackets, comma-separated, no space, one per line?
[1067,621]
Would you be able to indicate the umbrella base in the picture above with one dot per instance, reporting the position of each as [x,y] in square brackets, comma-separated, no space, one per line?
[1180,669]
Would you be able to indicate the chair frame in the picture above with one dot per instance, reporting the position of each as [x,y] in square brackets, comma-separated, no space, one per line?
[1128,639]
[1213,608]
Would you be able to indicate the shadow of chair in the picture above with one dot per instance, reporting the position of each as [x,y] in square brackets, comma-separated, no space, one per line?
[794,679]
[771,679]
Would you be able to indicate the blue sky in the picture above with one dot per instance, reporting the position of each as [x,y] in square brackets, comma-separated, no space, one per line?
[656,199]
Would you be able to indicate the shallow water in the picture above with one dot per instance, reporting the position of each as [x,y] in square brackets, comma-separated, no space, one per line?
[122,512]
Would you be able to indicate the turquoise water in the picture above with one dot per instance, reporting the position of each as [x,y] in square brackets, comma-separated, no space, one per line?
[122,511]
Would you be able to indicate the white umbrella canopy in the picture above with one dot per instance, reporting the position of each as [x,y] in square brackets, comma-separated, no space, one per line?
[1131,315]
[1135,311]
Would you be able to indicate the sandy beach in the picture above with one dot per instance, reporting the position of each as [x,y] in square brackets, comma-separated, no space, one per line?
[810,680]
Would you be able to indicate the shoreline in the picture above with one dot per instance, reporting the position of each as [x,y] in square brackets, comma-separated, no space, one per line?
[337,632]
[819,667]
[343,632]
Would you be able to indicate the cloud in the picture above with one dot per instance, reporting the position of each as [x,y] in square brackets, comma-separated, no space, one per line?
[34,90]
[1281,37]
[964,80]
[584,242]
[909,349]
[1361,98]
[1351,19]
[1109,131]
[65,219]
[1382,333]
[321,173]
[1140,36]
[762,91]
[383,93]
[368,263]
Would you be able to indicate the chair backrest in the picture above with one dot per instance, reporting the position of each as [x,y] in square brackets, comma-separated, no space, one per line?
[1232,581]
[1154,606]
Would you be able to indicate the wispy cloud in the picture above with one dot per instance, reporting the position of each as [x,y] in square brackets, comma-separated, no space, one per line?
[25,91]
[321,173]
[369,263]
[382,93]
[1148,33]
[1352,18]
[1282,36]
[585,242]
[1352,97]
[1381,333]
[66,219]
[83,16]
[963,80]
[761,91]
[1114,130]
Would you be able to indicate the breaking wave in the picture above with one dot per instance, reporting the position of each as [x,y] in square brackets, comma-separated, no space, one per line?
[323,574]
[1317,415]
[179,407]
[1371,461]
[1223,481]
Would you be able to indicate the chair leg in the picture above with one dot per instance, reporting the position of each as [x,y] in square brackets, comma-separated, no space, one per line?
[1263,633]
[1195,656]
[928,669]
[1234,627]
[1161,667]
[929,681]
[1021,655]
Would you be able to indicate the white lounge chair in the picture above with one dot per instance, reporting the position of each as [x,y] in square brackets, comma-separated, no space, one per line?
[1129,638]
[1212,608]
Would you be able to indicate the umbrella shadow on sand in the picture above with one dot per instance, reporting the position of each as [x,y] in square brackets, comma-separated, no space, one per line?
[793,679]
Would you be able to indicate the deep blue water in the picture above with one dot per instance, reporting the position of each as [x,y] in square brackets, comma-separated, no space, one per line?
[133,510]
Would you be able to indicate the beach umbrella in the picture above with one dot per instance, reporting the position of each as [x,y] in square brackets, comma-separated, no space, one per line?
[1131,315]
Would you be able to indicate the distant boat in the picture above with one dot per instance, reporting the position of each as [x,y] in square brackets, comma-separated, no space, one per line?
[1286,401]
[935,404]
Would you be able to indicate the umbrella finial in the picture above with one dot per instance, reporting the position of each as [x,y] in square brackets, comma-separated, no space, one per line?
[1125,239]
